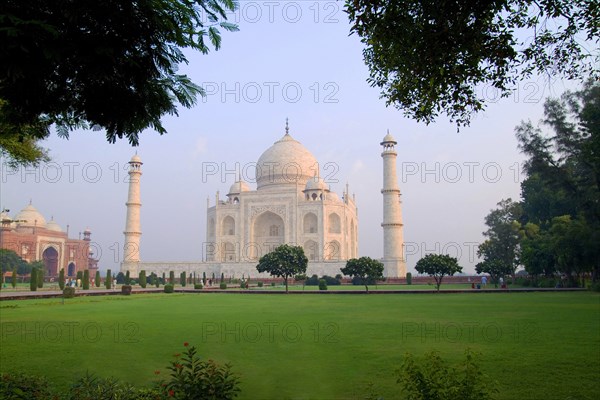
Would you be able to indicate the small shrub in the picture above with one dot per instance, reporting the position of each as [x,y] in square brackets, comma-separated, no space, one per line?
[69,292]
[33,280]
[260,284]
[322,284]
[126,290]
[408,278]
[434,379]
[40,278]
[273,284]
[168,288]
[86,279]
[339,277]
[92,387]
[61,279]
[108,280]
[97,279]
[142,278]
[595,287]
[198,286]
[223,285]
[331,281]
[194,378]
[312,281]
[22,386]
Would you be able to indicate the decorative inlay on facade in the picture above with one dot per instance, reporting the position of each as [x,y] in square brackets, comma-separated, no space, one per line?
[277,209]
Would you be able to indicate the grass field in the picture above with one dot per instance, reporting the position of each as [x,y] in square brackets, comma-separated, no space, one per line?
[535,345]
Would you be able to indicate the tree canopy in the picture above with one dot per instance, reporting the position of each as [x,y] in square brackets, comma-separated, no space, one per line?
[555,227]
[283,262]
[438,266]
[561,192]
[108,64]
[365,268]
[502,248]
[494,267]
[431,57]
[11,260]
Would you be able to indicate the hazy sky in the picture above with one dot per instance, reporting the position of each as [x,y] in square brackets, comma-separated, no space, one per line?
[295,60]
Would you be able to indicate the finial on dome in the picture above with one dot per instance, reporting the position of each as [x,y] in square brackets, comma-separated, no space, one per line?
[287,127]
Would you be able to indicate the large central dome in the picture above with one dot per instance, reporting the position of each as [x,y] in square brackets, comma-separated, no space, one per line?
[285,164]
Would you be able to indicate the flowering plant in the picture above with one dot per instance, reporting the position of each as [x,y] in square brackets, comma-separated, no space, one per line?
[193,378]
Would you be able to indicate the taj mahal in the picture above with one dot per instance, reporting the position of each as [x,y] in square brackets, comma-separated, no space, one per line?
[291,204]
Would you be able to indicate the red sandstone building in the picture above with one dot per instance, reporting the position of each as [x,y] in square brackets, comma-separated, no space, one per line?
[33,239]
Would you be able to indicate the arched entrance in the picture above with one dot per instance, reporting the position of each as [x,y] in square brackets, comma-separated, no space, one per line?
[71,270]
[50,257]
[267,232]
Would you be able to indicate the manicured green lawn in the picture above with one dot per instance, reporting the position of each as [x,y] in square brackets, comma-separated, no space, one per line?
[536,345]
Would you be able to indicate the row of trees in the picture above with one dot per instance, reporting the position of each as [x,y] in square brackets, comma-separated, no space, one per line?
[555,227]
[287,261]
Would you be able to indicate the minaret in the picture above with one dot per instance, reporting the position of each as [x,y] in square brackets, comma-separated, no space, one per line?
[131,247]
[393,236]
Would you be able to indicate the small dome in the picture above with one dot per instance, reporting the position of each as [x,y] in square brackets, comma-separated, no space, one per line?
[389,139]
[333,197]
[4,216]
[31,217]
[238,187]
[136,159]
[316,183]
[53,226]
[286,163]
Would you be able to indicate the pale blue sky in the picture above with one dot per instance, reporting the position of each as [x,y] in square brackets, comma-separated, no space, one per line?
[253,84]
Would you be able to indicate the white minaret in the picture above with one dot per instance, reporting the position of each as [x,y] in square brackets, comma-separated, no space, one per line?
[133,232]
[393,236]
